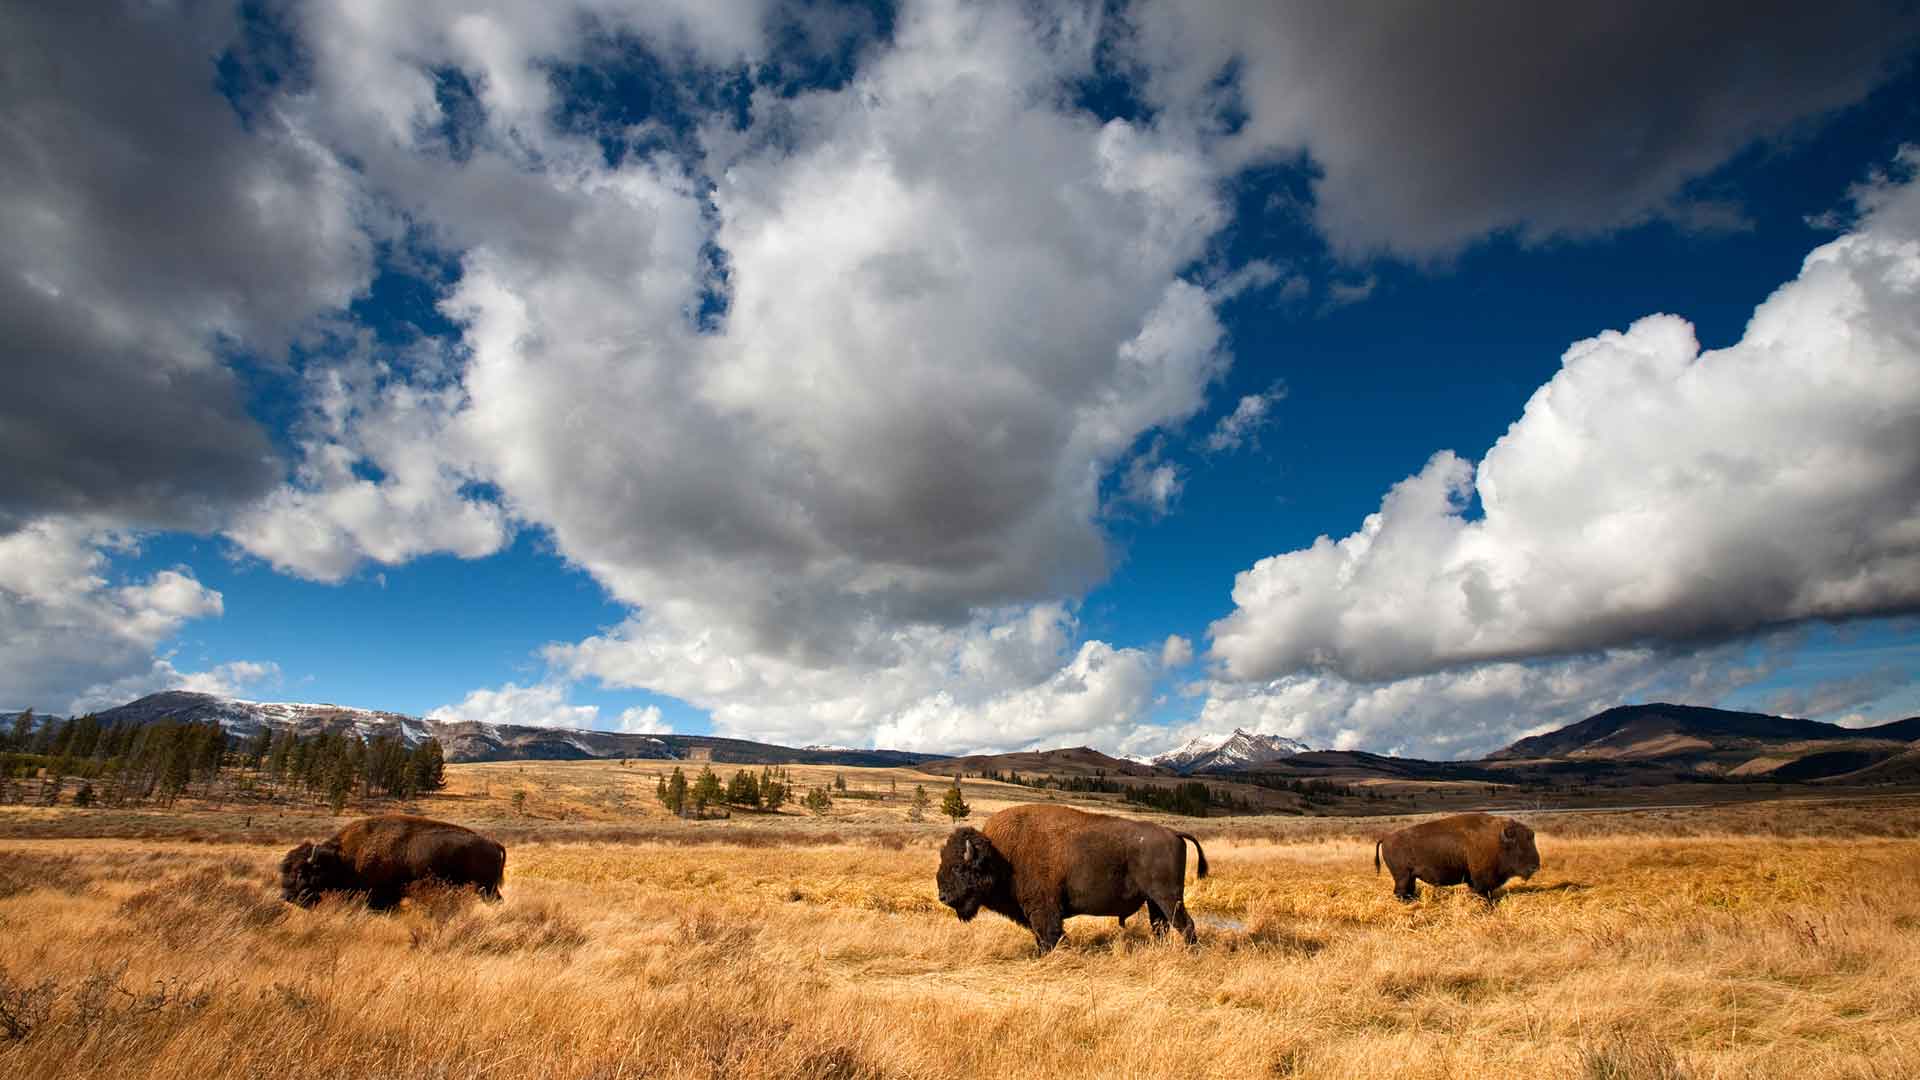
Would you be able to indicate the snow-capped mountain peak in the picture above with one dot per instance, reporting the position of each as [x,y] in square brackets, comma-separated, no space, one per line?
[1234,749]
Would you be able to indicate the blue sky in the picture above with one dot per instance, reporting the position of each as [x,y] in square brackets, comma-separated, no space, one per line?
[967,375]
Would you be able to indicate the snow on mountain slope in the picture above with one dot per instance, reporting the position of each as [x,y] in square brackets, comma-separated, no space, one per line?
[1236,749]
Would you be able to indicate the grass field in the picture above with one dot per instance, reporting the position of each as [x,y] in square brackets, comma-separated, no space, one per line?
[1772,939]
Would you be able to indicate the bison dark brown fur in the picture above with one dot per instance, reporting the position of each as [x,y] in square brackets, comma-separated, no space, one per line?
[1476,849]
[381,856]
[1037,865]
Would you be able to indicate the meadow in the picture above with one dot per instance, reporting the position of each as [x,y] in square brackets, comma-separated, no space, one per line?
[1757,940]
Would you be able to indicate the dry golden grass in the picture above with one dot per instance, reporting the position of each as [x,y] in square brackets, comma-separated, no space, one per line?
[1699,946]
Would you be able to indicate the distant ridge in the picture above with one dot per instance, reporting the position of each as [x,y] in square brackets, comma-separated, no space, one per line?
[465,741]
[1655,743]
[1644,730]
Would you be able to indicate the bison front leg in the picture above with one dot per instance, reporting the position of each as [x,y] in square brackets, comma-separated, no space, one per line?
[1404,889]
[1048,928]
[1484,888]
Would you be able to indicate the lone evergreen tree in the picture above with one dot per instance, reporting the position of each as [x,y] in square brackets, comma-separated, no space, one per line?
[917,810]
[953,805]
[676,797]
[817,800]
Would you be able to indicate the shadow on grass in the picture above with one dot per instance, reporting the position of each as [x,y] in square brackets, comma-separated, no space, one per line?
[1556,887]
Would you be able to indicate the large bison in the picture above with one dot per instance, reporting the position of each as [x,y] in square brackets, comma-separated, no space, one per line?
[1480,850]
[1037,865]
[381,856]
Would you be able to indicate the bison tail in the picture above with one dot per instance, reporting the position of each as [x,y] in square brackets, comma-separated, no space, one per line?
[1200,870]
[1376,855]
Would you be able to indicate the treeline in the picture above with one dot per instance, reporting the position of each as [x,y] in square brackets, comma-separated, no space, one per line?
[1313,791]
[119,764]
[1097,783]
[1192,798]
[769,789]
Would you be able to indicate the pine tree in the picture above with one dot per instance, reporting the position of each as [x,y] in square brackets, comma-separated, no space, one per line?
[743,789]
[839,783]
[817,800]
[259,746]
[676,795]
[917,810]
[706,789]
[953,805]
[177,767]
[340,783]
[62,739]
[22,735]
[429,766]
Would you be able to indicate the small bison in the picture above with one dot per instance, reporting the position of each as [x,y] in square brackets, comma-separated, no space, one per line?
[1037,865]
[381,856]
[1480,850]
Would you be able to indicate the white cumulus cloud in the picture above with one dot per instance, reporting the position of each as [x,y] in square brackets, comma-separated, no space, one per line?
[540,705]
[66,625]
[1650,492]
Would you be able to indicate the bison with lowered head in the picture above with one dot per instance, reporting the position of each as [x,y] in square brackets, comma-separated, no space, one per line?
[1477,849]
[381,856]
[1039,864]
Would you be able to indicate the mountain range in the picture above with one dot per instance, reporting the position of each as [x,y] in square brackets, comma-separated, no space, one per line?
[1630,745]
[473,741]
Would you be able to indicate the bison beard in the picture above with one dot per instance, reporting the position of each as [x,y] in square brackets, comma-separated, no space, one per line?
[382,856]
[1038,865]
[1477,850]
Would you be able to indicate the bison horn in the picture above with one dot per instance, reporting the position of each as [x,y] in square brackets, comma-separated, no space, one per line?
[967,853]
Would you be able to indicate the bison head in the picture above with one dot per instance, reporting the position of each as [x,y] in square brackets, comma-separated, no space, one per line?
[1517,850]
[309,870]
[971,870]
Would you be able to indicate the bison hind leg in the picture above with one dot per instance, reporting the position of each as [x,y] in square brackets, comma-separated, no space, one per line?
[1172,911]
[1183,922]
[1157,918]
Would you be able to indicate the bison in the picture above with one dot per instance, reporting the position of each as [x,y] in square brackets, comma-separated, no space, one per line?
[381,856]
[1037,865]
[1477,849]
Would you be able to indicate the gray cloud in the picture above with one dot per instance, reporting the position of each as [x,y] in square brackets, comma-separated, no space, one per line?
[145,230]
[1435,124]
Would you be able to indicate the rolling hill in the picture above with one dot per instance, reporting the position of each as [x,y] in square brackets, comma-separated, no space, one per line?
[1659,730]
